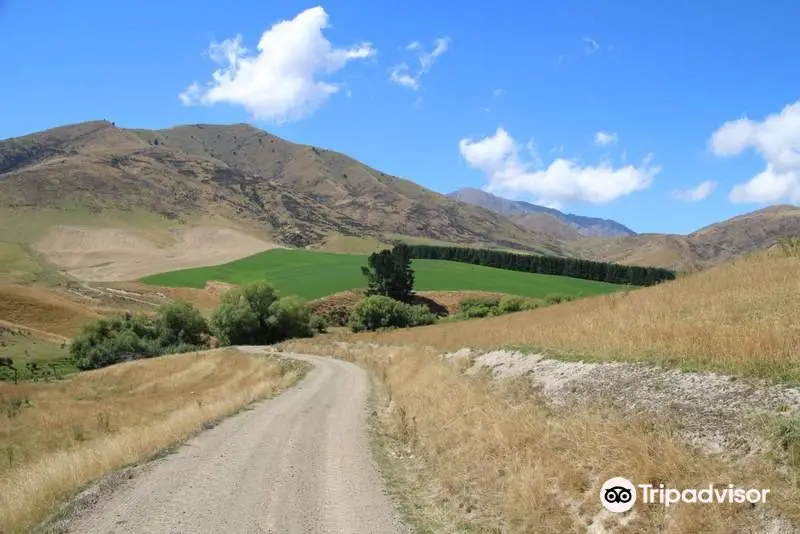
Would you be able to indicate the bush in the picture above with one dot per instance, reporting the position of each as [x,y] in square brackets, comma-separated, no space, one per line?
[108,341]
[377,311]
[318,324]
[180,323]
[254,315]
[509,304]
[557,299]
[234,321]
[177,327]
[478,307]
[290,317]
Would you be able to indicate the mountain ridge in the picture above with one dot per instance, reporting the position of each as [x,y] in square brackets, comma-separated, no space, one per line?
[240,177]
[520,211]
[296,193]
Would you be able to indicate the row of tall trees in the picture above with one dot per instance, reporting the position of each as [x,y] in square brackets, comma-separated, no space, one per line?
[529,263]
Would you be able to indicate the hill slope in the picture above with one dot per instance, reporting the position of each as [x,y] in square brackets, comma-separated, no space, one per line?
[712,245]
[293,193]
[565,226]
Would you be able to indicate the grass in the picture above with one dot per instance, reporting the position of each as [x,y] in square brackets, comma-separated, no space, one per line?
[56,437]
[738,318]
[27,226]
[20,263]
[53,359]
[42,309]
[316,274]
[471,454]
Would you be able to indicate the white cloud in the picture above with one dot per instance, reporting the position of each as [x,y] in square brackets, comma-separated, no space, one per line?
[768,186]
[283,80]
[498,92]
[591,45]
[777,140]
[605,138]
[402,74]
[700,192]
[563,181]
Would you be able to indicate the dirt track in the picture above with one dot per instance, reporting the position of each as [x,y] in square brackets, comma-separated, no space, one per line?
[297,463]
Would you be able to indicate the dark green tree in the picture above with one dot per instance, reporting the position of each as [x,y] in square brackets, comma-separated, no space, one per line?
[389,273]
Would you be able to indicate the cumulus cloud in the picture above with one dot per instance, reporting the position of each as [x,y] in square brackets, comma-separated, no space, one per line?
[284,79]
[700,192]
[402,74]
[563,181]
[777,140]
[605,138]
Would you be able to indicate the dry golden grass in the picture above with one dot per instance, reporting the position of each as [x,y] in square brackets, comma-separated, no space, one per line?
[739,317]
[484,456]
[41,309]
[205,299]
[64,434]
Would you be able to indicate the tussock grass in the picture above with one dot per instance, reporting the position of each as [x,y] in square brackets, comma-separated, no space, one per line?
[68,433]
[489,456]
[738,318]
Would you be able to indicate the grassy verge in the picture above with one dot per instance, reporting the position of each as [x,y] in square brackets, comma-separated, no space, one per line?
[60,436]
[477,455]
[739,318]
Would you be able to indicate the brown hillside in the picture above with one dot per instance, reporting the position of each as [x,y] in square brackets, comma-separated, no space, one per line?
[712,245]
[42,310]
[293,193]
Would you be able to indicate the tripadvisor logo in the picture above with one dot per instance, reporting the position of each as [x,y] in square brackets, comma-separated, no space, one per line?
[619,494]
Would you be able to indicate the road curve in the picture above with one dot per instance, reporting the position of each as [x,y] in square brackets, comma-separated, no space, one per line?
[299,462]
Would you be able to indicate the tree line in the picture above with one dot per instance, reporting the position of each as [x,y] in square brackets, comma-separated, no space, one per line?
[576,268]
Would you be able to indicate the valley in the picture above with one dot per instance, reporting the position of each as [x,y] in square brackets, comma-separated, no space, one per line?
[509,368]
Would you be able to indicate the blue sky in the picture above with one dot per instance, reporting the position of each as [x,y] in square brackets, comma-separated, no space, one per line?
[616,109]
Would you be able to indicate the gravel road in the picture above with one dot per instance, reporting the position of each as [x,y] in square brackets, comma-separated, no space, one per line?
[299,462]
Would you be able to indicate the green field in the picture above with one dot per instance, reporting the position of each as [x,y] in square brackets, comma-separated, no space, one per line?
[317,274]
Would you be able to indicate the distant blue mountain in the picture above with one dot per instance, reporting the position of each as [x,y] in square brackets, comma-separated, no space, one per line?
[521,211]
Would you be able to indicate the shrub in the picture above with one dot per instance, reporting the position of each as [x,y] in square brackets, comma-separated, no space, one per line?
[177,327]
[377,311]
[108,341]
[509,304]
[254,315]
[290,317]
[557,299]
[318,324]
[478,307]
[234,321]
[180,322]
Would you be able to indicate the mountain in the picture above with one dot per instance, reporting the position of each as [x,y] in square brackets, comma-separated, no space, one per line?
[96,173]
[565,226]
[714,244]
[109,203]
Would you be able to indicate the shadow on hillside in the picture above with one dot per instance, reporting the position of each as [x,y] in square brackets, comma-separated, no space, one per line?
[432,305]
